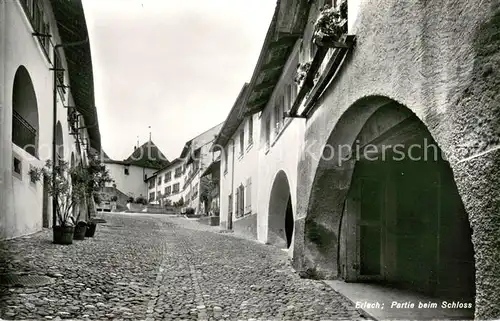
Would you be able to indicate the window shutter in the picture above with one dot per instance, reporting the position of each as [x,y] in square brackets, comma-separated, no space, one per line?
[242,200]
[237,202]
[249,194]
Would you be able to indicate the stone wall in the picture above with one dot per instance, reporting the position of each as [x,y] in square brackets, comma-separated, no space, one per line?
[440,60]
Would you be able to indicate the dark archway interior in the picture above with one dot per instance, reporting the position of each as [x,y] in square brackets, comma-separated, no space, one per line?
[289,223]
[412,230]
[25,125]
[281,218]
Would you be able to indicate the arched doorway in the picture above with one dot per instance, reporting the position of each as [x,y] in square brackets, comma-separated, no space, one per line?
[281,218]
[59,143]
[25,127]
[387,209]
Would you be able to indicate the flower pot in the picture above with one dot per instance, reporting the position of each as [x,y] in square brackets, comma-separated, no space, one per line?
[63,234]
[80,230]
[90,229]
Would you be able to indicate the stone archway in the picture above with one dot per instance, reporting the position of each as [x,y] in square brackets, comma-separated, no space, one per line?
[25,123]
[281,218]
[386,214]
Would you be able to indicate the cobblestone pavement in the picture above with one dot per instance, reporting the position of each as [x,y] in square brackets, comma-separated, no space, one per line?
[154,267]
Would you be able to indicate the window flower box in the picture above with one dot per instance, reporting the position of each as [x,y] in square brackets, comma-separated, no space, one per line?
[330,26]
[302,70]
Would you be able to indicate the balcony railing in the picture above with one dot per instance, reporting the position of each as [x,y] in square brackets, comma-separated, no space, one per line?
[23,134]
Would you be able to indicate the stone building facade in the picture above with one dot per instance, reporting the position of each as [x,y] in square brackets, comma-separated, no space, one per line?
[47,106]
[392,155]
[183,177]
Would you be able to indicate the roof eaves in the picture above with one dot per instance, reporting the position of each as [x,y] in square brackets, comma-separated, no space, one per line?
[233,119]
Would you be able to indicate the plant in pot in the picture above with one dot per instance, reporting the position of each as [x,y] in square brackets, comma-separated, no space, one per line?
[330,25]
[65,198]
[89,180]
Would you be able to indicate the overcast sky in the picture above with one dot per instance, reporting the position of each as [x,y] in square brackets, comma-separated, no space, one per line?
[174,65]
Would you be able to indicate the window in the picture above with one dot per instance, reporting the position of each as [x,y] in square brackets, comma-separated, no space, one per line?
[268,131]
[159,180]
[168,190]
[282,109]
[17,165]
[176,188]
[168,177]
[45,40]
[178,171]
[242,142]
[248,202]
[240,201]
[226,151]
[151,196]
[250,130]
[289,98]
[277,118]
[151,183]
[125,171]
[145,177]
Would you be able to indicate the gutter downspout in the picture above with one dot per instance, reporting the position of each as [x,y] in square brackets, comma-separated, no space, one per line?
[232,184]
[54,120]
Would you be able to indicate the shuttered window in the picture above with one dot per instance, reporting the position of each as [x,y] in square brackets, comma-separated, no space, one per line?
[238,202]
[249,195]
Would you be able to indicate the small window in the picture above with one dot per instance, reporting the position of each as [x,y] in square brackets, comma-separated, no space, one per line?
[159,180]
[126,172]
[268,131]
[17,166]
[145,177]
[242,141]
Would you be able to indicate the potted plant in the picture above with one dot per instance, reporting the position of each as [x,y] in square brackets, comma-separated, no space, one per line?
[65,198]
[89,180]
[302,70]
[330,25]
[79,182]
[35,174]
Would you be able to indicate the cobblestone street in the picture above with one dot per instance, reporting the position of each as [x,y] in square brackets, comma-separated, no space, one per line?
[153,267]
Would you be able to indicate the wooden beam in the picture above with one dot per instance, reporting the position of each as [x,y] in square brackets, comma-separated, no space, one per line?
[258,102]
[275,64]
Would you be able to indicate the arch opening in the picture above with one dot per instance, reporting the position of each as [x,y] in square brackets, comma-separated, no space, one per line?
[390,213]
[25,124]
[281,218]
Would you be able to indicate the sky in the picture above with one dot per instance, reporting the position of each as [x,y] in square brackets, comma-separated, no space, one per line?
[174,65]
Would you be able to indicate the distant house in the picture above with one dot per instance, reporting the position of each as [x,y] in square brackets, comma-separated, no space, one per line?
[181,179]
[130,175]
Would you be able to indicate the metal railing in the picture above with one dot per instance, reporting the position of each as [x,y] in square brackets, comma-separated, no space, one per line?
[23,134]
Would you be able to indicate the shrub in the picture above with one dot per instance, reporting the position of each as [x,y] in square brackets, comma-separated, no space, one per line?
[141,200]
[97,198]
[190,210]
[114,198]
[130,200]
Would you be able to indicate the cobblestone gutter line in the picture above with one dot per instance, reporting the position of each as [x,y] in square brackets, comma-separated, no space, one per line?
[202,312]
[156,291]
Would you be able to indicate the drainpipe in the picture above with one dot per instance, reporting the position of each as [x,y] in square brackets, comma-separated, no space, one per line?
[232,183]
[54,120]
